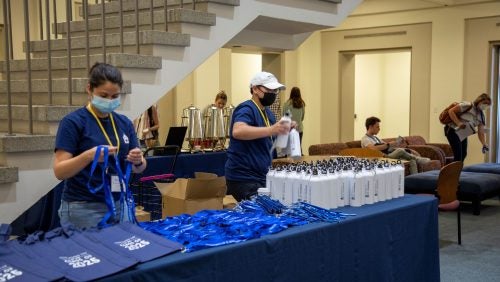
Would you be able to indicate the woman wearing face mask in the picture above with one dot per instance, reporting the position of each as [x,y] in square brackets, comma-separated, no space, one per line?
[466,117]
[78,136]
[252,131]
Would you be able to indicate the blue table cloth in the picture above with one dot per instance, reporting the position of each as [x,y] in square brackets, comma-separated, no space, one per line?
[395,240]
[187,164]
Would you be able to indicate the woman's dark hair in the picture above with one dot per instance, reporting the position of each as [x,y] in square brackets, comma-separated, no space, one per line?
[296,98]
[100,73]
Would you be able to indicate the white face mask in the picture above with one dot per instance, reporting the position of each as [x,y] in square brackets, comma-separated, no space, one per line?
[483,107]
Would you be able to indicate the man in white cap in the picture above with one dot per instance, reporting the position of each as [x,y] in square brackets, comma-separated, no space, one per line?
[252,132]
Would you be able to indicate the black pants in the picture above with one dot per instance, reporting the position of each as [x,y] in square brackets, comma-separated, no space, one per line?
[458,147]
[243,190]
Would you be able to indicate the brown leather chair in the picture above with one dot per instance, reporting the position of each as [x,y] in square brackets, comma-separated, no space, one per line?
[446,191]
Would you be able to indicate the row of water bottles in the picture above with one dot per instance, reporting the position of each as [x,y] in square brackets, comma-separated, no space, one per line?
[343,181]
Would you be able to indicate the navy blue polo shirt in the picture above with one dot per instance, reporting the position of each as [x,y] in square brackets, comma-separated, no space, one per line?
[249,160]
[78,132]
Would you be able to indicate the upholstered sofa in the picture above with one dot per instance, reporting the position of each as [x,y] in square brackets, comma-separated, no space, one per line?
[438,153]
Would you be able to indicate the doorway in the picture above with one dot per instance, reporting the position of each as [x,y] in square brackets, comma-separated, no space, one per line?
[382,89]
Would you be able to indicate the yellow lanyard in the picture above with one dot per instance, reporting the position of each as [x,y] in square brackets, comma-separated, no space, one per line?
[264,117]
[104,131]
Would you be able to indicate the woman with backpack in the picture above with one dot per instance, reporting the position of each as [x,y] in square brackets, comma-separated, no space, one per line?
[465,118]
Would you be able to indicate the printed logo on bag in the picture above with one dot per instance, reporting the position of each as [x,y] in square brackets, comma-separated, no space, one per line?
[133,243]
[81,260]
[8,272]
[125,138]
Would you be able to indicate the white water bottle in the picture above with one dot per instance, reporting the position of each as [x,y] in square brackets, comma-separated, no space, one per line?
[282,140]
[270,181]
[356,191]
[293,147]
[400,172]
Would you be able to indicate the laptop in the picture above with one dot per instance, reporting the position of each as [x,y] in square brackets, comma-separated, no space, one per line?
[176,135]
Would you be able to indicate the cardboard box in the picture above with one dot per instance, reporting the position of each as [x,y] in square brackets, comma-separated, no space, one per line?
[141,215]
[229,202]
[204,192]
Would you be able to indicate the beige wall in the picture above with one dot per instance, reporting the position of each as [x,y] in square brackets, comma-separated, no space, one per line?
[337,92]
[382,89]
[243,68]
[482,35]
[302,69]
[443,78]
[447,44]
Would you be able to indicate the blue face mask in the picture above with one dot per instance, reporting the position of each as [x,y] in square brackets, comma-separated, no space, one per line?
[104,105]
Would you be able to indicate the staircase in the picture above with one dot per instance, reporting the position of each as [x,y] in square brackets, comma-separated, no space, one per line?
[165,58]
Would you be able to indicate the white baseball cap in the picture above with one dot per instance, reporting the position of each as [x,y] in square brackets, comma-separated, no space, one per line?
[267,80]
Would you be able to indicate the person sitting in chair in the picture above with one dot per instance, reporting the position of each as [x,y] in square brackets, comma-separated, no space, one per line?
[370,140]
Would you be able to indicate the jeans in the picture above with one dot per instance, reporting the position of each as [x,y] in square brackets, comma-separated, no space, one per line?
[458,147]
[243,190]
[86,214]
[400,153]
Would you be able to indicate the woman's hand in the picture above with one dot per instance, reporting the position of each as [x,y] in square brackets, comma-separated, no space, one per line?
[135,157]
[91,153]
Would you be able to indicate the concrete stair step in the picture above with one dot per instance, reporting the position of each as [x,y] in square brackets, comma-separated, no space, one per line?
[59,65]
[59,85]
[9,174]
[45,118]
[129,6]
[112,23]
[40,95]
[78,44]
[26,143]
[40,112]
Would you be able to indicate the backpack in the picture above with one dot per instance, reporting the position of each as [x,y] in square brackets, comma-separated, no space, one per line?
[444,116]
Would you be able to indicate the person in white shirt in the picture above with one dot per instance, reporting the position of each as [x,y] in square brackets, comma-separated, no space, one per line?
[466,117]
[370,140]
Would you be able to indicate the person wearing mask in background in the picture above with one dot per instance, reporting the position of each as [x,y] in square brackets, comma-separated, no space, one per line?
[370,140]
[466,117]
[78,136]
[147,126]
[252,132]
[296,106]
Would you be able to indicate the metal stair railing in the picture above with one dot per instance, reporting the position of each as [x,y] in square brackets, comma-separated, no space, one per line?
[49,37]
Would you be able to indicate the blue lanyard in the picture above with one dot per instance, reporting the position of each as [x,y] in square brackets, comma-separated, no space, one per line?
[108,196]
[125,192]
